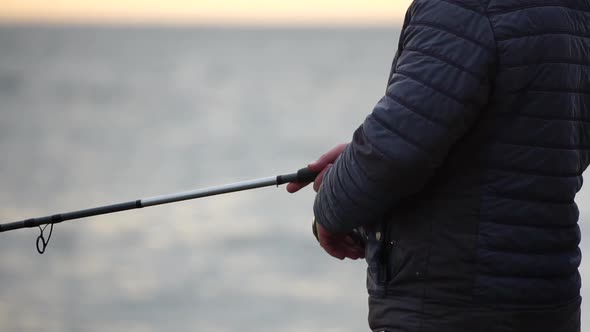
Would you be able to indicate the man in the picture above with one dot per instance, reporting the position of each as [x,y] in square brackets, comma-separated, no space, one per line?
[464,174]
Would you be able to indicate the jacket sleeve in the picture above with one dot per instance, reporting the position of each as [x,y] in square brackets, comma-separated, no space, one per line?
[439,84]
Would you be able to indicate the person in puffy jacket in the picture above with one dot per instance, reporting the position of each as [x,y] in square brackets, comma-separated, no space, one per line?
[464,174]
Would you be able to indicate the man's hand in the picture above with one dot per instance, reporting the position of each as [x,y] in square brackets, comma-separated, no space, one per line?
[321,165]
[339,245]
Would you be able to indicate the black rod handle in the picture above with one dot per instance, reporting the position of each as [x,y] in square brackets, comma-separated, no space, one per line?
[306,175]
[302,176]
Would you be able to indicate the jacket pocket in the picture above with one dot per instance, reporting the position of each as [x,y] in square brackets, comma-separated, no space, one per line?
[376,255]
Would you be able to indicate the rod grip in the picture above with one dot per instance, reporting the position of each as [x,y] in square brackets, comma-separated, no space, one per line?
[306,175]
[303,175]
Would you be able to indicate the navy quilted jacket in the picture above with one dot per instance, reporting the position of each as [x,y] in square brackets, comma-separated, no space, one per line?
[467,169]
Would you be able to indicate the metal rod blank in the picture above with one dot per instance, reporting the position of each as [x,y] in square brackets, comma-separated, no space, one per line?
[303,175]
[198,193]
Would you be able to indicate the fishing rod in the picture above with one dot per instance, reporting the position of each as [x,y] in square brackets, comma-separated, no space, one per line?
[303,175]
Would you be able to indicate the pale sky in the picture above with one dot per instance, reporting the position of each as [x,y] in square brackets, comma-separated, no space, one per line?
[258,12]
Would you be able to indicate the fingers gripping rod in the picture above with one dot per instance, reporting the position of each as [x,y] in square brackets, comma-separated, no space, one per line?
[303,175]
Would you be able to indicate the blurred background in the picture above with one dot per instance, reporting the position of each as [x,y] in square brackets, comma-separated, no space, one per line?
[104,101]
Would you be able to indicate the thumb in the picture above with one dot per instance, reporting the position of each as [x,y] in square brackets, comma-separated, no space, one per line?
[327,158]
[316,166]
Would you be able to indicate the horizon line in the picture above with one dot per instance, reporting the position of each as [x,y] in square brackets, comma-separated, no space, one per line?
[212,25]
